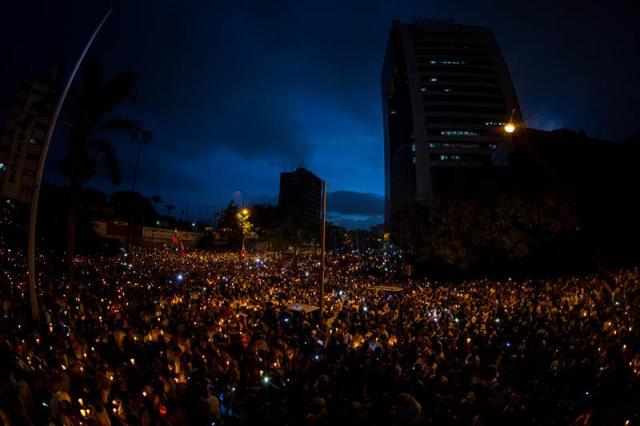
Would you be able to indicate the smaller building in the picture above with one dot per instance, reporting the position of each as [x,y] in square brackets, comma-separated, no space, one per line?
[300,197]
[144,235]
[22,139]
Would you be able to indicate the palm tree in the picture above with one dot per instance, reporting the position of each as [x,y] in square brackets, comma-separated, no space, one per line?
[93,129]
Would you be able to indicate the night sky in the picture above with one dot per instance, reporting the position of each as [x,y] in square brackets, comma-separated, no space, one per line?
[237,91]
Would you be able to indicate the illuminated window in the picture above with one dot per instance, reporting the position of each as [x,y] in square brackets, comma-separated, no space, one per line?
[446,62]
[444,157]
[394,112]
[433,79]
[458,133]
[423,89]
[413,147]
[434,145]
[33,141]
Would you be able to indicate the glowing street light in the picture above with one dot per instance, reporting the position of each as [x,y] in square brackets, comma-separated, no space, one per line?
[509,127]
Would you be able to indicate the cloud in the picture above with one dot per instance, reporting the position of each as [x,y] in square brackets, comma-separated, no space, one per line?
[355,203]
[235,92]
[355,221]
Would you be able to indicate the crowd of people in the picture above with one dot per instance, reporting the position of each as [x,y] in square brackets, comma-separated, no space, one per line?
[152,337]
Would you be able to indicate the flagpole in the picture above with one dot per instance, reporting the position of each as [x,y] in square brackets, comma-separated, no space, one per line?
[35,195]
[323,254]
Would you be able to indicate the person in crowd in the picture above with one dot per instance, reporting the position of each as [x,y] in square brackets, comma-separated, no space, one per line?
[151,337]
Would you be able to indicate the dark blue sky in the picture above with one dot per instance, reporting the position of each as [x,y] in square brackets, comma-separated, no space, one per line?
[238,91]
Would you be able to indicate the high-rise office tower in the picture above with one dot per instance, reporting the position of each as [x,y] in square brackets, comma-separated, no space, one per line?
[22,138]
[300,196]
[446,95]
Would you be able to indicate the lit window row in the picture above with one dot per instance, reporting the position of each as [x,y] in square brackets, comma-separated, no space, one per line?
[494,123]
[457,145]
[424,89]
[458,133]
[446,62]
[447,157]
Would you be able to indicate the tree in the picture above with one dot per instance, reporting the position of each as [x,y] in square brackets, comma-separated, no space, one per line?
[460,234]
[246,227]
[94,129]
[228,221]
[127,204]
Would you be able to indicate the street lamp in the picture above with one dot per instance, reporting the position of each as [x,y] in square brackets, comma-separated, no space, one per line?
[510,127]
[35,194]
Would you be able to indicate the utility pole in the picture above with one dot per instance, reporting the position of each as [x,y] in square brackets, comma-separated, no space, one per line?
[322,252]
[133,188]
[35,195]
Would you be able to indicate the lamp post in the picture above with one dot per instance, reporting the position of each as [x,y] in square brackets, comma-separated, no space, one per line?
[322,252]
[510,127]
[35,195]
[144,139]
[523,151]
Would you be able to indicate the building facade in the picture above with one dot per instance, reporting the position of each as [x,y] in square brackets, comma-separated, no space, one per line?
[22,138]
[446,95]
[300,197]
